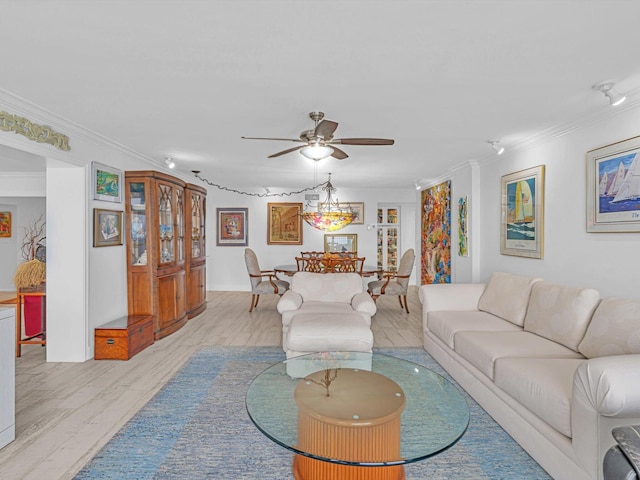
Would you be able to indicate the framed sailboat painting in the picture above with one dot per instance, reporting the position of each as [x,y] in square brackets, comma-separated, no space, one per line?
[522,220]
[613,187]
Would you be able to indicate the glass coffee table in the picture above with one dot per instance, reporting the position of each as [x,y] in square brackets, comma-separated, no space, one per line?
[352,415]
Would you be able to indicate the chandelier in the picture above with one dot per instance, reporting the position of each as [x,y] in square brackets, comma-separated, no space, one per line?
[329,216]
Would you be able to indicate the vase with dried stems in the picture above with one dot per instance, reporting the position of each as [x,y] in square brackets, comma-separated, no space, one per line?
[32,272]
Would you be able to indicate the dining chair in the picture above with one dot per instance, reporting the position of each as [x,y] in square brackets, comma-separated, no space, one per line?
[349,264]
[262,281]
[310,264]
[395,283]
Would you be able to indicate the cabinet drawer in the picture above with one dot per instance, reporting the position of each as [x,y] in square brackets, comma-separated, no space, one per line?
[123,338]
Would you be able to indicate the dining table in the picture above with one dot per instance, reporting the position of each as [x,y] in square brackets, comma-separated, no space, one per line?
[290,269]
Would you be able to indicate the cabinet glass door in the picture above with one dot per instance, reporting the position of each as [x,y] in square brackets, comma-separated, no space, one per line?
[138,227]
[388,238]
[180,225]
[197,218]
[165,211]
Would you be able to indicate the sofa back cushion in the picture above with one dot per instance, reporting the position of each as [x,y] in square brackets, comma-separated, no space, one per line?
[560,313]
[506,296]
[327,287]
[614,329]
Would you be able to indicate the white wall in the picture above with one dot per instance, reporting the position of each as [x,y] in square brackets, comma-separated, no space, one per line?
[225,265]
[608,262]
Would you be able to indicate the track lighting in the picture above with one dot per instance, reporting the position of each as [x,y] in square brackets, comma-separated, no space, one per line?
[170,163]
[496,146]
[607,90]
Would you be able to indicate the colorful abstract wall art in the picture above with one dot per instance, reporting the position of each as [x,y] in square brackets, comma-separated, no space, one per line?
[463,227]
[436,234]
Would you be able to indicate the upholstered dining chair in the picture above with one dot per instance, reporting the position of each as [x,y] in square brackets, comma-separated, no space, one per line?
[395,283]
[262,281]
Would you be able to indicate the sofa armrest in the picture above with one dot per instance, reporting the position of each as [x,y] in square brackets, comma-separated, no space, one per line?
[610,385]
[450,296]
[289,301]
[362,302]
[606,394]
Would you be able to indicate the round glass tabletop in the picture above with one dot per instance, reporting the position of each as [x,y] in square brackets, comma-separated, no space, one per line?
[308,403]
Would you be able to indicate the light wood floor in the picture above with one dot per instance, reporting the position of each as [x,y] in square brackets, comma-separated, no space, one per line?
[65,412]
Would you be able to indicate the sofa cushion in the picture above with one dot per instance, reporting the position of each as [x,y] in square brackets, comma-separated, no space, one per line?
[543,385]
[482,349]
[507,296]
[614,329]
[327,287]
[446,324]
[560,313]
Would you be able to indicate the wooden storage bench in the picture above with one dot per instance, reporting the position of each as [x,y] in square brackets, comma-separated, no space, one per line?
[121,339]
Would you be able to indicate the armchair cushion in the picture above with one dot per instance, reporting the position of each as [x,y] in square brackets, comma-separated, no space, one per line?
[327,287]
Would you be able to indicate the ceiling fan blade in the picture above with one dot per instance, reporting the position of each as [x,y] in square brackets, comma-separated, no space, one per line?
[282,139]
[286,151]
[326,128]
[363,141]
[338,154]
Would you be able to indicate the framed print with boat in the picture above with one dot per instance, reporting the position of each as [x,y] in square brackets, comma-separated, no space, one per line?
[613,187]
[522,217]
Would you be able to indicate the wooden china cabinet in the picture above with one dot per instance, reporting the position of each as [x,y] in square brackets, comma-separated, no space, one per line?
[160,247]
[195,266]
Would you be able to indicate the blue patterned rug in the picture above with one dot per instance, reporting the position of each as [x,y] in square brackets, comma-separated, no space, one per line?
[196,427]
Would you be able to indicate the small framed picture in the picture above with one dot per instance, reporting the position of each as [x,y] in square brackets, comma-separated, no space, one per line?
[522,216]
[284,224]
[232,228]
[106,183]
[341,243]
[107,227]
[613,189]
[5,224]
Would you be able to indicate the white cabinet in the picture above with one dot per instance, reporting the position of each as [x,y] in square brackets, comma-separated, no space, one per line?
[388,237]
[7,376]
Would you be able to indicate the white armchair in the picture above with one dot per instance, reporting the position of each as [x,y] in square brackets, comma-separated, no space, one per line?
[331,312]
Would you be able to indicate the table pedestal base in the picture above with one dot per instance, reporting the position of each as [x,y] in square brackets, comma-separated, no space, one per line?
[305,468]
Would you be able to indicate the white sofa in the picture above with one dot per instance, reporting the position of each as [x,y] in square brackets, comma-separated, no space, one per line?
[326,312]
[555,366]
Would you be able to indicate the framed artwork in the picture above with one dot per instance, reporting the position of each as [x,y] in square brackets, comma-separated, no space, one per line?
[284,223]
[613,187]
[232,227]
[106,183]
[338,243]
[436,234]
[356,207]
[5,224]
[522,218]
[107,227]
[463,227]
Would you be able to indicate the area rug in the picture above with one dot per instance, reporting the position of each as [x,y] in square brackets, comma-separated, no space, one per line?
[196,427]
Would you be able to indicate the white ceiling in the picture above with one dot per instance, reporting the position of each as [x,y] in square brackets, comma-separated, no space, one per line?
[189,78]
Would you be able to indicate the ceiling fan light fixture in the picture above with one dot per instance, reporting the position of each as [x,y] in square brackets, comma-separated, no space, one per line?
[499,149]
[317,152]
[607,90]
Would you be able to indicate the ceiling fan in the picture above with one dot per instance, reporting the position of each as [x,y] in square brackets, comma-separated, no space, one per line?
[319,142]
